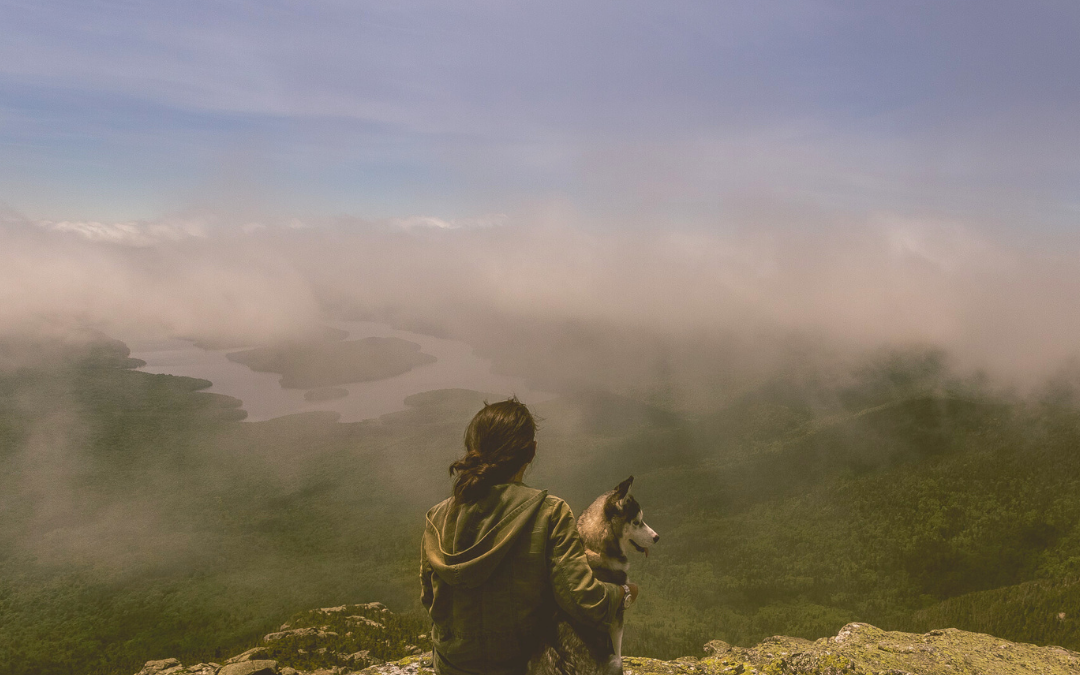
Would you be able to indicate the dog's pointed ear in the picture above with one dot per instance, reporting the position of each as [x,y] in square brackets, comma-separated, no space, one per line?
[623,489]
[616,500]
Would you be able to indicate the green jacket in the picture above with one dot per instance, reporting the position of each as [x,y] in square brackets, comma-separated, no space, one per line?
[493,573]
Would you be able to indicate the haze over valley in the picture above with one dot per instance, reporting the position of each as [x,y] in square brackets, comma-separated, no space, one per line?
[805,473]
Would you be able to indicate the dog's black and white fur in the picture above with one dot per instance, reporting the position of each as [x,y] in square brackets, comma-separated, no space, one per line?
[610,527]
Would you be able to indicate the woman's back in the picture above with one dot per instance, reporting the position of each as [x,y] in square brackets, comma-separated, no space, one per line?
[499,561]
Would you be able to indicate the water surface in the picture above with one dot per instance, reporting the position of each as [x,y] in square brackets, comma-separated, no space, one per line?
[264,398]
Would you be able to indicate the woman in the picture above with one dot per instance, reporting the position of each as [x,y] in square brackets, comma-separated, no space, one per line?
[499,558]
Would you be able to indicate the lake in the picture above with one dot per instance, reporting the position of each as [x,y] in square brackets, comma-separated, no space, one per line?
[264,398]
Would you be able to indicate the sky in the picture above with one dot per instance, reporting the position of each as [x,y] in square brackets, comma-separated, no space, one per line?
[636,114]
[866,173]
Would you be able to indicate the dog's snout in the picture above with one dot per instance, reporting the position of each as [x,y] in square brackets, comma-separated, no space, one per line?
[655,538]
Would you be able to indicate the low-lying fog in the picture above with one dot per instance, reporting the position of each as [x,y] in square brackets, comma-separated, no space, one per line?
[561,301]
[640,339]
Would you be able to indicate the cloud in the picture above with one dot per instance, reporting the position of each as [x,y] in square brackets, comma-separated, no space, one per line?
[669,107]
[768,272]
[411,222]
[133,233]
[151,278]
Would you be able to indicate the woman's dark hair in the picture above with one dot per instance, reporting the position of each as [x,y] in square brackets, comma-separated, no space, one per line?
[498,442]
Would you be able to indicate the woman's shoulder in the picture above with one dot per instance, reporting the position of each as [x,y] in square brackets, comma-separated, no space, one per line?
[551,506]
[550,500]
[556,506]
[441,506]
[554,499]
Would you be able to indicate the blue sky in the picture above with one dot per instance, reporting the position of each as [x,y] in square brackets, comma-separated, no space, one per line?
[654,112]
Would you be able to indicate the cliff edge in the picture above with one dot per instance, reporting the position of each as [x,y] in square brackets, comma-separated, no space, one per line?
[370,640]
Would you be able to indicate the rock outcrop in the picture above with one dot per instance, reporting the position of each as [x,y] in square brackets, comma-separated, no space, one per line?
[862,649]
[303,648]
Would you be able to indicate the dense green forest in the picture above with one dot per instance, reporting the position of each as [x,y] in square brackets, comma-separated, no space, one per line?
[142,519]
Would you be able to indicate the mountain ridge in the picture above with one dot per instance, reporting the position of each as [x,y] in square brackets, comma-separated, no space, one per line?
[308,644]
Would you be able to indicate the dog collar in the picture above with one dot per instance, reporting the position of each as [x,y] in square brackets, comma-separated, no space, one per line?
[627,598]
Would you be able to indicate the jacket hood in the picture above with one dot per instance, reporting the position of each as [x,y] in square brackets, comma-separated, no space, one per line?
[464,544]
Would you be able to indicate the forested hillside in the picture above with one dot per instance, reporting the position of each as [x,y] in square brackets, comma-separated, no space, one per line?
[142,519]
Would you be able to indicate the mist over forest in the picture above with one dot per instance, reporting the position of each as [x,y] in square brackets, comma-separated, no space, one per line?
[760,287]
[874,422]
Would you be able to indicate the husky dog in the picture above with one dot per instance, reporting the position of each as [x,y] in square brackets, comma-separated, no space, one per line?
[612,525]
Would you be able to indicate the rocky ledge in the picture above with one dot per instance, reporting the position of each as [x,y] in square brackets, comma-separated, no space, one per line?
[319,643]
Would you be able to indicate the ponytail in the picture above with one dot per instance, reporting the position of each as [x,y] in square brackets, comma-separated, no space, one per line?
[498,442]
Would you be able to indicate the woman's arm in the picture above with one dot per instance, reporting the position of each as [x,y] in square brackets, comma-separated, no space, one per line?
[427,595]
[577,591]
